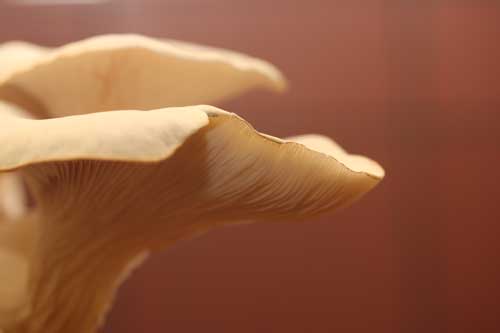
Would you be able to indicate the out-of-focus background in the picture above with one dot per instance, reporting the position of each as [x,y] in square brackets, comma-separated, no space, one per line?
[414,85]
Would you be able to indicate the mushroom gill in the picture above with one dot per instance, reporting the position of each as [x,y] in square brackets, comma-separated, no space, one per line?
[110,187]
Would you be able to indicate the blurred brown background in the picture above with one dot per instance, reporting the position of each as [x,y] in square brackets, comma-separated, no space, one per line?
[413,84]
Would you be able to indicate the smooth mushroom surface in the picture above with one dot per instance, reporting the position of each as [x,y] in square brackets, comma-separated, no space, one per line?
[116,175]
[119,72]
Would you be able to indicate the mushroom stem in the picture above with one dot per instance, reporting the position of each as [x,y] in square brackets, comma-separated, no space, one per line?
[75,268]
[70,293]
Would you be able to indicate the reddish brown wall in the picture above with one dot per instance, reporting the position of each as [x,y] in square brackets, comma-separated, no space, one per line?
[415,85]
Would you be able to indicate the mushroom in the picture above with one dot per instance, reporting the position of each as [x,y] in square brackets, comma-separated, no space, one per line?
[122,72]
[112,187]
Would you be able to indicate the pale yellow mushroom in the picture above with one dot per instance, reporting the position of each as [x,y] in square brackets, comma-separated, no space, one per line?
[111,187]
[118,72]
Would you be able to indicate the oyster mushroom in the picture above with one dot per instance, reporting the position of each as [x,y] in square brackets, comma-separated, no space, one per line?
[122,72]
[111,187]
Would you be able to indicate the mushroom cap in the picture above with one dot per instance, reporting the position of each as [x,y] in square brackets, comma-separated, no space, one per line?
[120,72]
[115,136]
[143,137]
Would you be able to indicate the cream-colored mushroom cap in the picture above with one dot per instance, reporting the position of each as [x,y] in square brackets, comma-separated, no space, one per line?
[119,72]
[112,186]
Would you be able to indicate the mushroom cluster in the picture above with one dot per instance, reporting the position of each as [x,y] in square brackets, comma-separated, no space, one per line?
[109,151]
